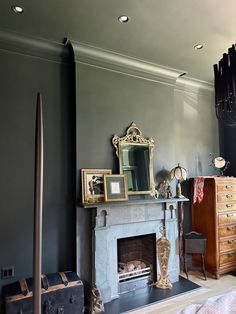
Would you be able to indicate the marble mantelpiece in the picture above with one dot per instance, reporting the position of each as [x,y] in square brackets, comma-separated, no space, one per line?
[117,220]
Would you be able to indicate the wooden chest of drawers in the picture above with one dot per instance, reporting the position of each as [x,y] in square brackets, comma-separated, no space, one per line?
[215,217]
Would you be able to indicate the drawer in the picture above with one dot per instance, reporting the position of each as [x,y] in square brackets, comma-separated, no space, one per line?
[226,197]
[227,258]
[225,206]
[228,245]
[227,218]
[225,187]
[227,231]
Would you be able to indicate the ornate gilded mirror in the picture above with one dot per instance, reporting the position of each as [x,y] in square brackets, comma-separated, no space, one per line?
[135,154]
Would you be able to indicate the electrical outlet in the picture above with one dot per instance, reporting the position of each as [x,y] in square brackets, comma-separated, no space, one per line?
[7,272]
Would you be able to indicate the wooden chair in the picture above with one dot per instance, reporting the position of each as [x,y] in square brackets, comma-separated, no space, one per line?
[194,243]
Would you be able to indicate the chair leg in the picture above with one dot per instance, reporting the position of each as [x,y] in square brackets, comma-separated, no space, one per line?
[203,266]
[185,266]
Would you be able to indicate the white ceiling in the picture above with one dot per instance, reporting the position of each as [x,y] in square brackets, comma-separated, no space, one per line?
[159,31]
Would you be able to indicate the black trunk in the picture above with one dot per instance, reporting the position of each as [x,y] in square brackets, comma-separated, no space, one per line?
[62,293]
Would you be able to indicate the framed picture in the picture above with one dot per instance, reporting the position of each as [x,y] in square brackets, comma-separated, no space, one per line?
[115,187]
[93,184]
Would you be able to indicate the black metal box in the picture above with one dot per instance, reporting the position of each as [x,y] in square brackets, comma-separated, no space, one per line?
[62,293]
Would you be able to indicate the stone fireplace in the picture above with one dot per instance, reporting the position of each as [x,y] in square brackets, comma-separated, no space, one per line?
[126,232]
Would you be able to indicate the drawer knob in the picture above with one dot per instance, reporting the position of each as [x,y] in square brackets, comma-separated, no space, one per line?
[230,228]
[229,214]
[230,241]
[229,186]
[229,195]
[229,205]
[231,254]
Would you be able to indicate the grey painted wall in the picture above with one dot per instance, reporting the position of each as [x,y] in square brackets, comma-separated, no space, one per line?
[183,125]
[22,77]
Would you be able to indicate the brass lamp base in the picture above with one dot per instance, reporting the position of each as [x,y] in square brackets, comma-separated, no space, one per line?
[179,191]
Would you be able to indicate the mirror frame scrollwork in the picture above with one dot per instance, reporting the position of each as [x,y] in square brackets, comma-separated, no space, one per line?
[135,136]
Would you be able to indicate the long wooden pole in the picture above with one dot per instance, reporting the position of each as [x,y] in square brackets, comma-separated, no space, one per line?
[38,207]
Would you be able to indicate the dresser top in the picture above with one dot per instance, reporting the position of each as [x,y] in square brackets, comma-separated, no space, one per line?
[217,178]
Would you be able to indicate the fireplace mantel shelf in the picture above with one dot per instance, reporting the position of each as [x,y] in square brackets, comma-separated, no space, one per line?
[133,202]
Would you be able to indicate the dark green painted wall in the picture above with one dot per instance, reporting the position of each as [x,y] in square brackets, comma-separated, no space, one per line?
[22,77]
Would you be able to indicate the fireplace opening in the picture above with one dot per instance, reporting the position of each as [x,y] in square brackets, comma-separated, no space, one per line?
[136,262]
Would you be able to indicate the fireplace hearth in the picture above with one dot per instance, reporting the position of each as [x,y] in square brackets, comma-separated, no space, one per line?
[149,296]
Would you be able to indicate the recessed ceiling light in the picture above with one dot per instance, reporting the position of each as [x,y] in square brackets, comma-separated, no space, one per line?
[17,9]
[198,47]
[123,18]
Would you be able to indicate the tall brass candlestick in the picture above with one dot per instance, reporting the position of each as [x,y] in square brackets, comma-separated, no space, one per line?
[38,207]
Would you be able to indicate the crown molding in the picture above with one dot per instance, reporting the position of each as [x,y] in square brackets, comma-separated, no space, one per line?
[114,61]
[98,57]
[191,85]
[33,47]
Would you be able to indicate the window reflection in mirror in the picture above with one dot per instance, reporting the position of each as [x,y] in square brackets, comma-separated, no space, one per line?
[134,162]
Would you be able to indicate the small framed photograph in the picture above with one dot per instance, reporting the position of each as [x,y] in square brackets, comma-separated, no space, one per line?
[93,184]
[115,187]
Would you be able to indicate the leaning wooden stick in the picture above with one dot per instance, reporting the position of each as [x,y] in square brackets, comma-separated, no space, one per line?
[38,208]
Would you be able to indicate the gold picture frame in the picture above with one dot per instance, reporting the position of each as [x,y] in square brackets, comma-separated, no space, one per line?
[93,184]
[115,187]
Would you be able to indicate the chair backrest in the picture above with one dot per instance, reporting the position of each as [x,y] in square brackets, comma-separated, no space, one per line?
[194,242]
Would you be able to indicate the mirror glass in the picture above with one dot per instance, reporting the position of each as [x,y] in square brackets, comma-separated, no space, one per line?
[135,154]
[134,162]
